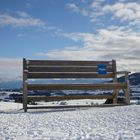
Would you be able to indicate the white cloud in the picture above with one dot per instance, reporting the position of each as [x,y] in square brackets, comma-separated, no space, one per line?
[77,9]
[97,4]
[28,5]
[20,35]
[124,46]
[92,11]
[22,14]
[125,11]
[73,6]
[10,69]
[122,11]
[20,19]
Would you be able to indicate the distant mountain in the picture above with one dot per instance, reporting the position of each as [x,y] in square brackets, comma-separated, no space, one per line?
[134,78]
[11,84]
[18,83]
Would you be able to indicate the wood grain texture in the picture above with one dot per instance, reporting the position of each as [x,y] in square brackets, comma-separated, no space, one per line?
[74,106]
[75,86]
[66,69]
[43,75]
[67,63]
[24,86]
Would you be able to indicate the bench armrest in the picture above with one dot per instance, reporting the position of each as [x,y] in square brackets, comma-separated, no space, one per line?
[123,72]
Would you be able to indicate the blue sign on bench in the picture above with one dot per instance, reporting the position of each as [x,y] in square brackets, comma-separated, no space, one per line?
[102,69]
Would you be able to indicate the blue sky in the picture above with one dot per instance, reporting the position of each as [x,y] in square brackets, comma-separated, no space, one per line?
[68,29]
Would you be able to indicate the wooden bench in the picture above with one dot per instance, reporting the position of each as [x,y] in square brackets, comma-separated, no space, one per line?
[44,69]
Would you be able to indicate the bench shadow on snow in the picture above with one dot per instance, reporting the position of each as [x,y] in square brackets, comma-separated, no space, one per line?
[35,111]
[39,111]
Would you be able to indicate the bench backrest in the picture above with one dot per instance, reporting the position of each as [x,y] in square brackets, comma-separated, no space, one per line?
[37,69]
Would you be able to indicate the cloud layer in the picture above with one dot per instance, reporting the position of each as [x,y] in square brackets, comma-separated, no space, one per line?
[125,12]
[122,11]
[118,39]
[106,45]
[20,19]
[10,69]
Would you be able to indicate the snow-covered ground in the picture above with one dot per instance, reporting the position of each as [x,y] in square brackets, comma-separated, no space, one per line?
[71,102]
[109,123]
[9,106]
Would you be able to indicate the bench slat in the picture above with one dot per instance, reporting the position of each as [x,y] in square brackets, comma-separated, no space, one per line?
[32,75]
[75,86]
[66,69]
[68,97]
[67,63]
[73,106]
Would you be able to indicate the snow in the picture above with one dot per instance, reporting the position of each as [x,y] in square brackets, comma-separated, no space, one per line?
[71,102]
[109,123]
[5,94]
[9,106]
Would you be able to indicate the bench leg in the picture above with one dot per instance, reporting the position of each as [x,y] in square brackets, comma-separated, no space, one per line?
[25,97]
[127,94]
[114,100]
[115,94]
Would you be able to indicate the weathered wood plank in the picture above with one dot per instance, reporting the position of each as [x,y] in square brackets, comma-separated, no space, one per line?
[58,107]
[24,86]
[66,69]
[114,80]
[67,63]
[123,72]
[75,86]
[68,97]
[127,93]
[73,106]
[32,75]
